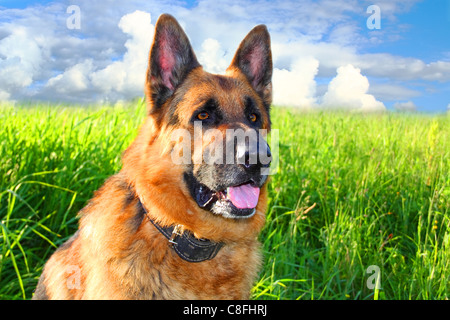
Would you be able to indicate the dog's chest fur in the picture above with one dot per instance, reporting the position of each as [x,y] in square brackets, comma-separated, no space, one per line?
[141,265]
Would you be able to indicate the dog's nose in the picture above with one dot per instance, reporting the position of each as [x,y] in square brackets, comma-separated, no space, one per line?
[253,154]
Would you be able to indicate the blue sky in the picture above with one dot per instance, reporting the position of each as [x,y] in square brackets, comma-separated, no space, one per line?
[324,54]
[426,34]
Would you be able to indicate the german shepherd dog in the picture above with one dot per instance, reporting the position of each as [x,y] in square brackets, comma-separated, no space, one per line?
[165,230]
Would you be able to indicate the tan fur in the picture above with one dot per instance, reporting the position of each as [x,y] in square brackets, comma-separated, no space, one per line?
[117,254]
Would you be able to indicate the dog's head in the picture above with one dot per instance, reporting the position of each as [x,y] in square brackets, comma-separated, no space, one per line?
[213,126]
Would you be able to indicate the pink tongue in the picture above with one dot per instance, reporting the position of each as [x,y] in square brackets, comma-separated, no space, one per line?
[243,197]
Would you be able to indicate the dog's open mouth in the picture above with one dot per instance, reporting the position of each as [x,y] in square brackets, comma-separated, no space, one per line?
[244,196]
[237,201]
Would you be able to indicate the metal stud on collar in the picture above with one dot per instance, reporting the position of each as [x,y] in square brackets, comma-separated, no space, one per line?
[176,232]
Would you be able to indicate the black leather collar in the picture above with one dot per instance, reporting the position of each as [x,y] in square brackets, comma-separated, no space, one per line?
[187,246]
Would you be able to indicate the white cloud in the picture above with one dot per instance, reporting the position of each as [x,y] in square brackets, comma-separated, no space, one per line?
[390,8]
[20,59]
[106,59]
[212,56]
[405,106]
[75,79]
[391,91]
[296,87]
[348,90]
[402,68]
[4,96]
[125,78]
[332,55]
[122,79]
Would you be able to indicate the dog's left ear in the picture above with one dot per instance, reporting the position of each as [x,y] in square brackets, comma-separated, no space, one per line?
[171,59]
[254,59]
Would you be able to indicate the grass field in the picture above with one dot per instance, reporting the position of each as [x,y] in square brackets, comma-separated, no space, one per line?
[352,191]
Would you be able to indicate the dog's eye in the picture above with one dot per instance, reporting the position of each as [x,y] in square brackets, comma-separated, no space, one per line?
[203,116]
[253,117]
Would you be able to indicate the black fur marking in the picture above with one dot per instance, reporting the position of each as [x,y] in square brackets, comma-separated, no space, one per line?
[41,290]
[225,83]
[140,214]
[66,245]
[132,199]
[171,113]
[170,40]
[215,114]
[129,197]
[255,49]
[250,107]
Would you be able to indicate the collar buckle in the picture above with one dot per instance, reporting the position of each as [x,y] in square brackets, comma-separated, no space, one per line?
[175,233]
[185,244]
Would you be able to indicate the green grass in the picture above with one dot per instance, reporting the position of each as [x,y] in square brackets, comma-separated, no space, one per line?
[352,191]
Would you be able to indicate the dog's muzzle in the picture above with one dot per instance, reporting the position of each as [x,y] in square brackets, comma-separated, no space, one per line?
[232,189]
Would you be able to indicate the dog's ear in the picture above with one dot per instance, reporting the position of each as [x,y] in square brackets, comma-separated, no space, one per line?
[254,59]
[171,59]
